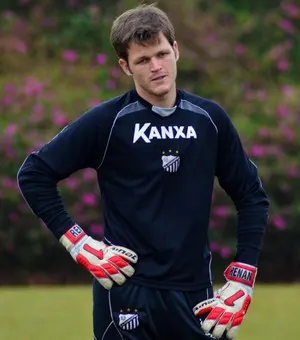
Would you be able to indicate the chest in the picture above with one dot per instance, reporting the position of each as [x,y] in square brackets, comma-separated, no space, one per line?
[147,143]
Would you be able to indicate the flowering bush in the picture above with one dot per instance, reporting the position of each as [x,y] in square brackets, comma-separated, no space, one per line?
[58,65]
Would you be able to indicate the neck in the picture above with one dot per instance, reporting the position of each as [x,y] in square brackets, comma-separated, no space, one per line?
[166,101]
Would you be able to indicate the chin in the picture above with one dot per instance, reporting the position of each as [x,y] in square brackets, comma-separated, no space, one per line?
[162,91]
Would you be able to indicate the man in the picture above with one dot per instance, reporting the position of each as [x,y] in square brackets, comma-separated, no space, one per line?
[156,150]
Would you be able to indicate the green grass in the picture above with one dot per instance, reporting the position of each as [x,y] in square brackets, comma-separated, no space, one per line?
[65,313]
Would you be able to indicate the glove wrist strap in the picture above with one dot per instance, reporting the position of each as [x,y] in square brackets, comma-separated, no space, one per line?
[72,237]
[242,273]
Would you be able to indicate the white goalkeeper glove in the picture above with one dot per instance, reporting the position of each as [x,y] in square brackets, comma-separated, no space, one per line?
[107,264]
[226,310]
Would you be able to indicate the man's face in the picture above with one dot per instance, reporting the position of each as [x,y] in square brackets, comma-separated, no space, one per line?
[153,67]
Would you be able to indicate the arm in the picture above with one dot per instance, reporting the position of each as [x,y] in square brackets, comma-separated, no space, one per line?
[223,314]
[238,176]
[74,148]
[38,185]
[80,145]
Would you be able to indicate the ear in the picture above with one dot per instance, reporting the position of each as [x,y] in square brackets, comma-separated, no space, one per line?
[124,65]
[176,50]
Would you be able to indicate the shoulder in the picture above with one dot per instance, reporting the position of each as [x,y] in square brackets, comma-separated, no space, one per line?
[109,109]
[212,109]
[209,105]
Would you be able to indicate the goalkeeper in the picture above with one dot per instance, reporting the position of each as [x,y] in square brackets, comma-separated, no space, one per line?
[156,150]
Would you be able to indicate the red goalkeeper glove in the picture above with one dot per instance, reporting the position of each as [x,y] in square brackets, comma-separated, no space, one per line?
[108,264]
[224,313]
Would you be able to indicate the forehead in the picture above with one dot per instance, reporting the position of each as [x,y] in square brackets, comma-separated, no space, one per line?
[135,50]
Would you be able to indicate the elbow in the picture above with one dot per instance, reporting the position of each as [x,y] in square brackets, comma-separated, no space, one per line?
[255,198]
[23,174]
[34,174]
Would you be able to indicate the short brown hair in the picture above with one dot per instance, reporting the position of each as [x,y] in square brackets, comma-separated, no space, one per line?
[140,25]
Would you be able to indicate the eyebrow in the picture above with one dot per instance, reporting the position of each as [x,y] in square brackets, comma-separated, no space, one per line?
[141,58]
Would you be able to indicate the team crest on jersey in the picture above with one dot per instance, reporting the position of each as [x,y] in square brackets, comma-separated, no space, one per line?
[129,321]
[170,160]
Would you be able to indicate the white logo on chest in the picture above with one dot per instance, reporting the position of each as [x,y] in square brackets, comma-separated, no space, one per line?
[146,132]
[171,161]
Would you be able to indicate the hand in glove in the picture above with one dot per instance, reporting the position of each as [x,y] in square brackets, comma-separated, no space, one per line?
[227,309]
[107,263]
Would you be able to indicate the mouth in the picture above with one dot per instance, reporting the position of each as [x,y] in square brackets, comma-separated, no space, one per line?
[159,78]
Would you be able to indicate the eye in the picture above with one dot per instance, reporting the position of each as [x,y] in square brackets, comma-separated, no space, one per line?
[162,54]
[142,61]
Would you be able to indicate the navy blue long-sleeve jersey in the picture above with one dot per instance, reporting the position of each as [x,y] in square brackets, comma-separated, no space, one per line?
[156,169]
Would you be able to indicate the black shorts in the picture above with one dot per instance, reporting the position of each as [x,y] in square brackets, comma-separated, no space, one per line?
[133,312]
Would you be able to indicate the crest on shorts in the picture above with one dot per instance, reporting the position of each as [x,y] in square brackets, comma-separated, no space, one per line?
[129,321]
[170,160]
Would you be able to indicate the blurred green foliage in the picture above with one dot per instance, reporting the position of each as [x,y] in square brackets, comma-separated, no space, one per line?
[56,62]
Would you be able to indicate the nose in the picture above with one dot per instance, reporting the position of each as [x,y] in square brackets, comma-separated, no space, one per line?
[155,65]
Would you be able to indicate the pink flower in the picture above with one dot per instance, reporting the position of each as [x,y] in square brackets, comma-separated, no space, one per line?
[22,207]
[9,183]
[33,87]
[7,100]
[13,217]
[89,199]
[96,228]
[21,47]
[283,65]
[240,49]
[213,224]
[11,129]
[278,222]
[263,132]
[37,113]
[115,72]
[69,56]
[286,89]
[60,120]
[214,246]
[291,9]
[10,153]
[293,172]
[111,84]
[221,211]
[49,96]
[211,39]
[286,26]
[9,88]
[101,58]
[288,133]
[225,252]
[88,174]
[94,102]
[257,151]
[38,108]
[282,111]
[71,183]
[38,144]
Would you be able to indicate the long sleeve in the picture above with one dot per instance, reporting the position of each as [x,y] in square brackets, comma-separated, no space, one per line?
[79,145]
[38,185]
[238,176]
